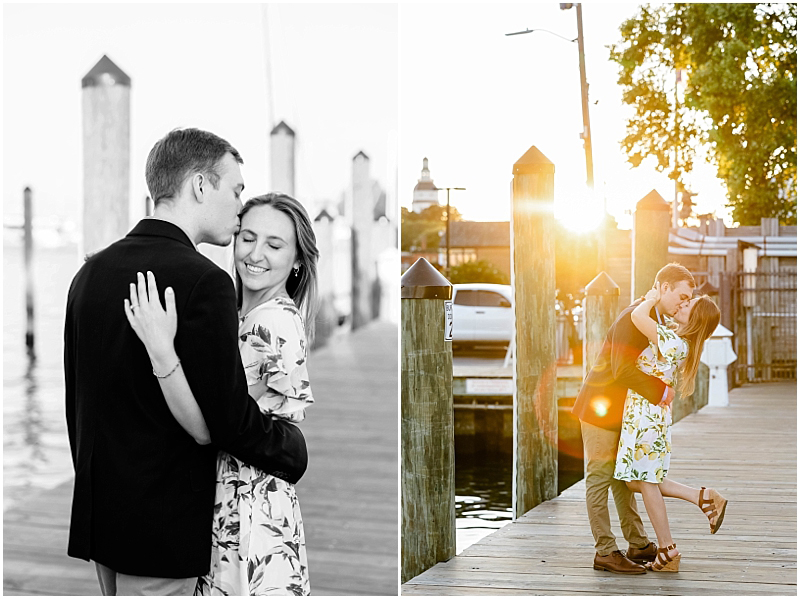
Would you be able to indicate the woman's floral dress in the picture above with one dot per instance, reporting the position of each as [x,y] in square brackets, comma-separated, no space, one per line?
[258,544]
[645,441]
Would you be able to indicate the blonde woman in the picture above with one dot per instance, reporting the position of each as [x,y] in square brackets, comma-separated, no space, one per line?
[645,440]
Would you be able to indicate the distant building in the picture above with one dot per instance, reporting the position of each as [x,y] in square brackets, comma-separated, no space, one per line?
[471,241]
[425,193]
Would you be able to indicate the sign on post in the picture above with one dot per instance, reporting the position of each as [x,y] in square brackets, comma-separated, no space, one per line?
[448,320]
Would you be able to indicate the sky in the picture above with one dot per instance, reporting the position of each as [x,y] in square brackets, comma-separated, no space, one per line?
[473,101]
[400,82]
[334,81]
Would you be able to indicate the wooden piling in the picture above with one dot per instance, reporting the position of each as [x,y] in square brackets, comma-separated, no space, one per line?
[428,533]
[650,242]
[326,316]
[282,144]
[600,308]
[363,260]
[769,304]
[535,477]
[106,155]
[28,258]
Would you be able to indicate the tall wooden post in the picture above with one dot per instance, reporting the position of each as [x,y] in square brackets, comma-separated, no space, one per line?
[768,300]
[600,309]
[363,260]
[535,477]
[428,533]
[282,144]
[28,258]
[650,241]
[326,316]
[106,155]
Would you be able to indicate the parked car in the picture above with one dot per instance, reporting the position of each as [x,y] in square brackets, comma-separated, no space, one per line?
[482,313]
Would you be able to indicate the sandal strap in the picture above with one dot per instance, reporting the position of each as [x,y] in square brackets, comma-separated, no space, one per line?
[708,506]
[659,564]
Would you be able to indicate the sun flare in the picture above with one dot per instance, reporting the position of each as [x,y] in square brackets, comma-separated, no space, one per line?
[579,212]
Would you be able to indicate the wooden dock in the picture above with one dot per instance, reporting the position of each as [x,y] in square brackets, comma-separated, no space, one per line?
[747,451]
[348,497]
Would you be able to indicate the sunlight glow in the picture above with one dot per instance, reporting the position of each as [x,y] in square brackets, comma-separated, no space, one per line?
[579,210]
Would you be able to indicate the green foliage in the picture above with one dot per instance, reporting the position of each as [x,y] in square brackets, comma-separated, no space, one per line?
[740,101]
[418,231]
[478,271]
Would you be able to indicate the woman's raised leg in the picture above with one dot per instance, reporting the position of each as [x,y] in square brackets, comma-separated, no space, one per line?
[670,488]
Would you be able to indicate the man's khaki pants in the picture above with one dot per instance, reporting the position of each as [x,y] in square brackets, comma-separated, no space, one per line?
[600,455]
[113,583]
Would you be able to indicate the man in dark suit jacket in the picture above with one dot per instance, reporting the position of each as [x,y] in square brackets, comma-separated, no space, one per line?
[599,407]
[144,489]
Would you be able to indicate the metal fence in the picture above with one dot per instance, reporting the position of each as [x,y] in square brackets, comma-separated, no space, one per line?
[764,319]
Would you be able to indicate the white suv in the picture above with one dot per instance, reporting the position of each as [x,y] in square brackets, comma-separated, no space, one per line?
[482,312]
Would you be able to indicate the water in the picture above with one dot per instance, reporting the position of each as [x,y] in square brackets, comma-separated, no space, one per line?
[483,489]
[483,495]
[36,452]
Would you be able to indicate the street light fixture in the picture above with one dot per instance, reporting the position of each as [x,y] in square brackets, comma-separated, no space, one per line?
[573,40]
[447,228]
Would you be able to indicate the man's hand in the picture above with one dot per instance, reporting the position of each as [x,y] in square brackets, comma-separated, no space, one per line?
[666,402]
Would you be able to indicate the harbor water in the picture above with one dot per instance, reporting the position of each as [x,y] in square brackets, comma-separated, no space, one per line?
[36,452]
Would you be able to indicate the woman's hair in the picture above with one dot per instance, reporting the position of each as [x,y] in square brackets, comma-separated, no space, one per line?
[703,319]
[302,286]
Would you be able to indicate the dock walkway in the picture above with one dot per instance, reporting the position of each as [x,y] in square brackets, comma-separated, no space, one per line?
[348,497]
[747,451]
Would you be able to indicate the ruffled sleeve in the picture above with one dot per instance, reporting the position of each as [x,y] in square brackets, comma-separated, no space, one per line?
[672,348]
[273,349]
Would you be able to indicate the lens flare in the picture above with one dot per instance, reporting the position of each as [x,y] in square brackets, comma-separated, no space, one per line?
[600,406]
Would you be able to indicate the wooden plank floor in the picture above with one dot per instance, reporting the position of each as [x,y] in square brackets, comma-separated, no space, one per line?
[747,451]
[348,497]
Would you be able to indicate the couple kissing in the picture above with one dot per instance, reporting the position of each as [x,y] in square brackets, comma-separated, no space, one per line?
[624,407]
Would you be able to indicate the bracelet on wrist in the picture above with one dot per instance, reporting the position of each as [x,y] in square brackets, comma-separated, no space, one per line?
[159,376]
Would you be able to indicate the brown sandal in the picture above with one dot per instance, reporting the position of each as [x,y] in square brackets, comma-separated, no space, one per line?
[713,508]
[665,563]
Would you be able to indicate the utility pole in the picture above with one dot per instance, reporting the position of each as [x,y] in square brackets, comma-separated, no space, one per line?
[587,131]
[586,136]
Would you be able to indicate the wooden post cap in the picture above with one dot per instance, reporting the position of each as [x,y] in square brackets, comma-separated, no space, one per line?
[653,201]
[602,284]
[323,215]
[423,281]
[280,127]
[104,71]
[533,161]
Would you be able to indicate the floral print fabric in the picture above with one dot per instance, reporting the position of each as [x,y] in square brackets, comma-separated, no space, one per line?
[258,544]
[645,442]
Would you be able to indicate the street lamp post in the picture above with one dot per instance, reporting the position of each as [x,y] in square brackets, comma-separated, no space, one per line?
[587,131]
[447,229]
[586,135]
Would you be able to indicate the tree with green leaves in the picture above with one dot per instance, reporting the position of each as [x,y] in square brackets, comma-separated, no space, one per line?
[423,230]
[478,271]
[739,105]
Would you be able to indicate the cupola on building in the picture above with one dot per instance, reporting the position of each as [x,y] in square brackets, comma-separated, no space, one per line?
[425,193]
